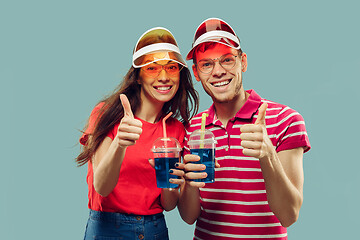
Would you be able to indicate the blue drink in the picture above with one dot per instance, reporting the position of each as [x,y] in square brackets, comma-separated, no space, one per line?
[207,157]
[166,153]
[162,167]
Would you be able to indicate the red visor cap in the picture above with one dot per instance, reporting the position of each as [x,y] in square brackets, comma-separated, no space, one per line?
[214,30]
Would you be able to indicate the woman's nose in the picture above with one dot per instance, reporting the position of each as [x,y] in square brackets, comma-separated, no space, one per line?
[163,76]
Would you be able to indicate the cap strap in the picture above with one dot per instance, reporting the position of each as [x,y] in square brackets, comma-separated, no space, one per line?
[216,33]
[155,47]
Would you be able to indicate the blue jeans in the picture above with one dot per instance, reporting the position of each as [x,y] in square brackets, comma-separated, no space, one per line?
[111,226]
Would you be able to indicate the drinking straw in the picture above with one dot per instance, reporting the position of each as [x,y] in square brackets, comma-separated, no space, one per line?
[202,131]
[164,125]
[165,139]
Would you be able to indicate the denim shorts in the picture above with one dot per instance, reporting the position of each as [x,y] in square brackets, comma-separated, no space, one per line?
[111,226]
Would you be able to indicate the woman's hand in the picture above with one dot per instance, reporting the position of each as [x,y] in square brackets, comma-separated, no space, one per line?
[192,170]
[176,172]
[130,128]
[170,196]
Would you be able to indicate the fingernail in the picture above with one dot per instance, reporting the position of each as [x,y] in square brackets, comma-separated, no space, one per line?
[171,171]
[176,164]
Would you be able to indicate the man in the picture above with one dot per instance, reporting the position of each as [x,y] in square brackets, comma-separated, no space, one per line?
[258,188]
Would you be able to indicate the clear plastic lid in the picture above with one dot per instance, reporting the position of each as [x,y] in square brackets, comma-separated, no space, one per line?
[201,136]
[166,144]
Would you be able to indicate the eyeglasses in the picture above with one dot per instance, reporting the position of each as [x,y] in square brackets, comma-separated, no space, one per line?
[226,61]
[154,69]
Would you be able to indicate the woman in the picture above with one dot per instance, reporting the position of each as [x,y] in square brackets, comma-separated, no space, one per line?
[124,201]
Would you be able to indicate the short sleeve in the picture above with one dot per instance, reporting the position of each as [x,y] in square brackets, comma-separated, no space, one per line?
[91,123]
[186,149]
[292,132]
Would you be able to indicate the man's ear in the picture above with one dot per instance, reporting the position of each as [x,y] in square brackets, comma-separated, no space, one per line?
[195,73]
[244,62]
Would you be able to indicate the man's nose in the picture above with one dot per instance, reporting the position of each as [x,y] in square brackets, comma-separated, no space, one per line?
[218,69]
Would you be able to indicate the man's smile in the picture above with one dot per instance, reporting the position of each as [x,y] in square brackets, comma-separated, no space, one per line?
[221,83]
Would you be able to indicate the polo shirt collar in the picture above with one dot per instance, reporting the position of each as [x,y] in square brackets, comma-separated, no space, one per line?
[247,111]
[250,107]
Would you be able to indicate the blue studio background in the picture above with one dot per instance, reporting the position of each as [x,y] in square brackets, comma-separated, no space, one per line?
[58,58]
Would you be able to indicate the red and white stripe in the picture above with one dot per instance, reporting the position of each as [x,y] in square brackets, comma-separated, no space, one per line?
[235,206]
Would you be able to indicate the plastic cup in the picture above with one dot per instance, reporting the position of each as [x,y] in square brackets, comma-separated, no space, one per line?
[166,153]
[202,143]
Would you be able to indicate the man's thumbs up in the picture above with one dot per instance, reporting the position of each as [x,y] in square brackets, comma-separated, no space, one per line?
[261,114]
[129,129]
[254,138]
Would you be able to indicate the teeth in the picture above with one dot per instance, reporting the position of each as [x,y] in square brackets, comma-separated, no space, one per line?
[163,88]
[218,84]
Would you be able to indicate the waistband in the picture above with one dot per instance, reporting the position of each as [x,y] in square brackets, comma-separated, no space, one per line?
[122,217]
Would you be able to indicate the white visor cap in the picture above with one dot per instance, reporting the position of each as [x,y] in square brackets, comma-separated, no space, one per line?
[156,40]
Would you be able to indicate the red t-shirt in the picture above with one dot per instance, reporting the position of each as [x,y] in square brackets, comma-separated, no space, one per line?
[136,191]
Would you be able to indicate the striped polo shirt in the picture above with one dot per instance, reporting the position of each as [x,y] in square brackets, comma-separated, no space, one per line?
[235,206]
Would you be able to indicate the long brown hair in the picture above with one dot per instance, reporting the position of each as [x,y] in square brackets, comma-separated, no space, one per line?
[184,106]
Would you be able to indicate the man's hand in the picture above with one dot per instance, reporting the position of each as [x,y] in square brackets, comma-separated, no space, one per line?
[254,137]
[190,167]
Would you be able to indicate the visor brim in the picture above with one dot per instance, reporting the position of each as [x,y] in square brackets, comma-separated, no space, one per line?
[148,59]
[190,55]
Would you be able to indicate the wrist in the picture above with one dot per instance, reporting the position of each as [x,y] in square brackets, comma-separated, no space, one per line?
[118,144]
[191,185]
[271,154]
[170,190]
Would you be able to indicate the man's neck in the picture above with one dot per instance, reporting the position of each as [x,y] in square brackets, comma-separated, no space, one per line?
[226,111]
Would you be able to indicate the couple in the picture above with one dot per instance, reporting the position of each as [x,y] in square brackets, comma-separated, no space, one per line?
[258,188]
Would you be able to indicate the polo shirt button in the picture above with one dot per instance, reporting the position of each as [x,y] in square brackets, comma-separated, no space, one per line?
[138,218]
[227,148]
[141,236]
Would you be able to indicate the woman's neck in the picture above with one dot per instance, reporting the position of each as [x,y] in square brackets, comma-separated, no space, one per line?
[149,111]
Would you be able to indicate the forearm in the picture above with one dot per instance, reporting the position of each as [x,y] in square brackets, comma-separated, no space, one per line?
[284,198]
[189,203]
[169,198]
[282,171]
[106,173]
[110,154]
